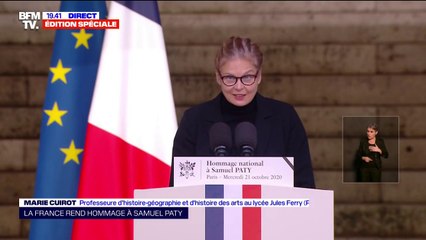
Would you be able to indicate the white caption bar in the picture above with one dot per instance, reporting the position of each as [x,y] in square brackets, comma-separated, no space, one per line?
[70,15]
[131,202]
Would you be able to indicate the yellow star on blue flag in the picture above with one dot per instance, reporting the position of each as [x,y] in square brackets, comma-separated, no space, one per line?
[55,115]
[82,38]
[59,72]
[71,153]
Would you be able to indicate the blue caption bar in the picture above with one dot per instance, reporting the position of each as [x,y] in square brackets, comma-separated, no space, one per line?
[103,213]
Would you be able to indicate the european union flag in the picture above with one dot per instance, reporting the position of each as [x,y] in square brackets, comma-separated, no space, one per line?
[71,80]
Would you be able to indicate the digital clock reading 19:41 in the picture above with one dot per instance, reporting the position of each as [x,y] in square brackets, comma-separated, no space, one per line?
[52,15]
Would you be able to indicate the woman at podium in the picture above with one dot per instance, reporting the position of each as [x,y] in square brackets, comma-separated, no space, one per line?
[278,130]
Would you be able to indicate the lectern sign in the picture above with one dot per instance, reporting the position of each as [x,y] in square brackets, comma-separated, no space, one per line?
[276,171]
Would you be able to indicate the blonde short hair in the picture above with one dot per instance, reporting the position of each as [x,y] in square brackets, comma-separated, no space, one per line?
[237,47]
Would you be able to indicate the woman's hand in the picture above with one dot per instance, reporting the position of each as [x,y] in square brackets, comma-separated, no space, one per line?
[366,159]
[375,148]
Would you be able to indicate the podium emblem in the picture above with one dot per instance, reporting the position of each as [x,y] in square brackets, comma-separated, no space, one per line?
[187,169]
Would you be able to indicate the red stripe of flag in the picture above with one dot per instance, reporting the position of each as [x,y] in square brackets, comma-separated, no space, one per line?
[252,216]
[113,168]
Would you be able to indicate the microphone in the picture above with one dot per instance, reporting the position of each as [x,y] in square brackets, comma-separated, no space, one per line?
[246,138]
[220,139]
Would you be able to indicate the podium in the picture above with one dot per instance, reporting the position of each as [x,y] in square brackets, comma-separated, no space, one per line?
[313,222]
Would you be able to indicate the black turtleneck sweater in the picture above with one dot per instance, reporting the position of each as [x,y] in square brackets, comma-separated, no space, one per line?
[232,115]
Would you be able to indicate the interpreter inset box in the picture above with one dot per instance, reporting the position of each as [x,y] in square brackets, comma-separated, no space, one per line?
[370,149]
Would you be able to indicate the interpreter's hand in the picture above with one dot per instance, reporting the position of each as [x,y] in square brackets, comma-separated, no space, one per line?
[366,159]
[375,148]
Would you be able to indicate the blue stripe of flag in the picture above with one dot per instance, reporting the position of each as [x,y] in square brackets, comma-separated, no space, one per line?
[214,222]
[54,178]
[148,9]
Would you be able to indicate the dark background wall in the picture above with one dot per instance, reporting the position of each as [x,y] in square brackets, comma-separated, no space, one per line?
[329,59]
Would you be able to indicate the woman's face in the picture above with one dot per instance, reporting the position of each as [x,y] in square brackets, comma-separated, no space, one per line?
[371,133]
[238,94]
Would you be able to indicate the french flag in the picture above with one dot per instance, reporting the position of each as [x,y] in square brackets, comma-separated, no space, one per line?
[132,118]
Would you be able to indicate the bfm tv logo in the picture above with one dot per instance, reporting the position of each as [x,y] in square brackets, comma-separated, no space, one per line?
[30,20]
